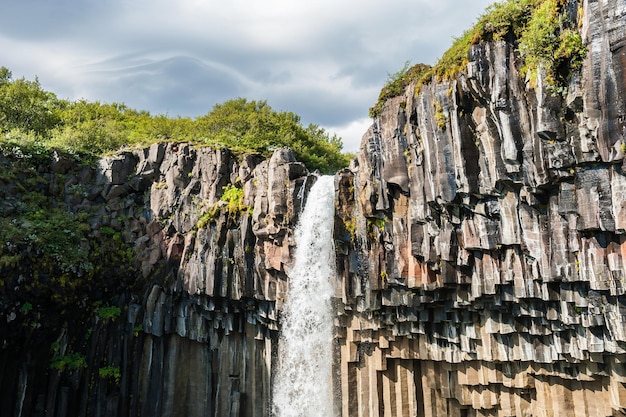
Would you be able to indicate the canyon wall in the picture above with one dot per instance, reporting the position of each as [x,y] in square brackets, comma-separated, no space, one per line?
[481,242]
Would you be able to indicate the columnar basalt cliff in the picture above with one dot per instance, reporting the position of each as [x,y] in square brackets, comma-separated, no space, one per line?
[483,251]
[480,239]
[191,326]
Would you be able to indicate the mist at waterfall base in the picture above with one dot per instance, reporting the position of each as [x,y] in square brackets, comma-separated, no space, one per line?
[302,386]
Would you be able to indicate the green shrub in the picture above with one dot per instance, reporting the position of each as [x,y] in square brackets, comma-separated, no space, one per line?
[397,83]
[498,21]
[108,312]
[549,43]
[234,197]
[70,362]
[110,372]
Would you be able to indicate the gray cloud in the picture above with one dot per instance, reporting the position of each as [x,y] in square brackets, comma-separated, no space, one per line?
[323,60]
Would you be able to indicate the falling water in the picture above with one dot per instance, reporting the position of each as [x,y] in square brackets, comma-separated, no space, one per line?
[302,386]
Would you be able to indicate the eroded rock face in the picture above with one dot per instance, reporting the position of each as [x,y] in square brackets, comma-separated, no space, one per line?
[487,277]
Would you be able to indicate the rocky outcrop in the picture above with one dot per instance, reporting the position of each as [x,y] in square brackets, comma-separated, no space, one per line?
[482,254]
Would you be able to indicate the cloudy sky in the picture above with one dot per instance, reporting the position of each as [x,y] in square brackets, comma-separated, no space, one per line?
[325,60]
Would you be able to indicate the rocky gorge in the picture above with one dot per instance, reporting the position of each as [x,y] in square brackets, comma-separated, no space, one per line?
[480,241]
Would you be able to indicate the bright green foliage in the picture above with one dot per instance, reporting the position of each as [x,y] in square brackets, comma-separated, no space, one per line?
[234,197]
[253,127]
[24,105]
[440,116]
[547,43]
[540,38]
[94,128]
[500,20]
[209,216]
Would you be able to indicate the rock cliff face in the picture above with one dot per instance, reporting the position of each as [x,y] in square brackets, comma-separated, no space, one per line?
[481,259]
[211,238]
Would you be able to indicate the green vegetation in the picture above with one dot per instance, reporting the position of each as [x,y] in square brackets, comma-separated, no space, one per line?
[440,117]
[70,362]
[50,234]
[110,372]
[233,197]
[548,42]
[137,329]
[91,129]
[108,312]
[48,252]
[350,225]
[397,83]
[545,39]
[499,21]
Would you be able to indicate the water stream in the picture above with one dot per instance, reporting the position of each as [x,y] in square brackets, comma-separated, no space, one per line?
[302,386]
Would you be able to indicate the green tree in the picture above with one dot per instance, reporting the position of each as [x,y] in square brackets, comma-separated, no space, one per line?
[31,115]
[252,126]
[25,105]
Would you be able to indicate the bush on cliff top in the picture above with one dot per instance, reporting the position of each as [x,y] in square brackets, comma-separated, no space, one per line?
[546,38]
[30,114]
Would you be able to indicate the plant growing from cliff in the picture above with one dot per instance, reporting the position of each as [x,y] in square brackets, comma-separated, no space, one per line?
[397,82]
[49,233]
[498,21]
[208,217]
[110,372]
[137,329]
[544,37]
[108,313]
[350,225]
[233,197]
[69,361]
[539,40]
[440,117]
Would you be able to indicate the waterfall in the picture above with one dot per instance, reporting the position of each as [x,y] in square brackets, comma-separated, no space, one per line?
[302,386]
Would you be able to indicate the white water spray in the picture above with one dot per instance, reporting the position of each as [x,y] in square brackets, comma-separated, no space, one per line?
[302,386]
